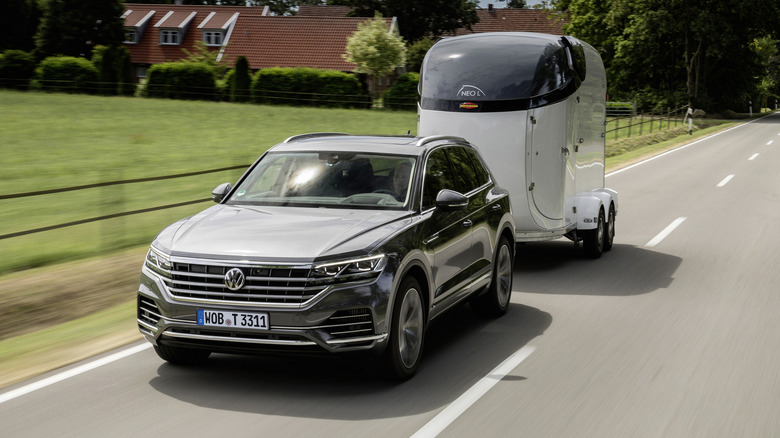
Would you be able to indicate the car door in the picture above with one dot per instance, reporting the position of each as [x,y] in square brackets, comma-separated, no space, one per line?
[447,232]
[472,180]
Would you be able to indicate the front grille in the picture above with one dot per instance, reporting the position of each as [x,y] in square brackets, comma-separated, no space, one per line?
[350,324]
[263,285]
[148,312]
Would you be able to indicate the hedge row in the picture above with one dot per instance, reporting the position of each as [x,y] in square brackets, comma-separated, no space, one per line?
[309,87]
[109,72]
[403,94]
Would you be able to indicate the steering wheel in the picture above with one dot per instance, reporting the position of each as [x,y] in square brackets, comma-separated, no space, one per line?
[386,192]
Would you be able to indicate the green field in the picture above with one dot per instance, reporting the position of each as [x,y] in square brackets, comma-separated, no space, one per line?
[52,141]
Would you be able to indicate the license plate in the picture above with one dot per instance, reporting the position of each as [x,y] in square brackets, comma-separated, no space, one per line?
[221,318]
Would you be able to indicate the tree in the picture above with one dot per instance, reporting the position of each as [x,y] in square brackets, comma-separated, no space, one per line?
[374,50]
[416,53]
[74,27]
[417,19]
[19,20]
[696,49]
[516,4]
[242,81]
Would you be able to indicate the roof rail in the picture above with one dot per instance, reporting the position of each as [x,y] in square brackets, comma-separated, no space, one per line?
[312,135]
[425,140]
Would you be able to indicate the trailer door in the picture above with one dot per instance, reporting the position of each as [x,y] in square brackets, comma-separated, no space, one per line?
[547,155]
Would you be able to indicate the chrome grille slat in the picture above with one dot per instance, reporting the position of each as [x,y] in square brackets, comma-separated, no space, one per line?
[239,295]
[273,285]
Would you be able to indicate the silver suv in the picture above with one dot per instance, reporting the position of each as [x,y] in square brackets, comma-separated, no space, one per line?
[332,243]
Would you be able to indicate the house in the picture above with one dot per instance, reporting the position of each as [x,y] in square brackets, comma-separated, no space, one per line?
[157,33]
[516,20]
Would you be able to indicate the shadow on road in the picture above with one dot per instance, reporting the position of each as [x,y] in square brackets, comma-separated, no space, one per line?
[460,349]
[625,270]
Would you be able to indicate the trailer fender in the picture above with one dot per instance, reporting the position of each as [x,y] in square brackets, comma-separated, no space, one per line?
[586,210]
[588,204]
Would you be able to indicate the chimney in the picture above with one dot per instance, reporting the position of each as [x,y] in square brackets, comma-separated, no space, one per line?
[490,7]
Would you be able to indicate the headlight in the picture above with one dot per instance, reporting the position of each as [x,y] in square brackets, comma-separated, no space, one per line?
[353,269]
[159,262]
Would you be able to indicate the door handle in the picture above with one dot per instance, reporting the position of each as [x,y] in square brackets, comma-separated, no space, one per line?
[467,223]
[496,208]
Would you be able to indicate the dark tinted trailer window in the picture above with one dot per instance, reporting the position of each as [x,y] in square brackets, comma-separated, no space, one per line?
[496,67]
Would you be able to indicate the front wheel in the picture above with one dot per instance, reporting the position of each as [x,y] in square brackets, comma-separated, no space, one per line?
[407,331]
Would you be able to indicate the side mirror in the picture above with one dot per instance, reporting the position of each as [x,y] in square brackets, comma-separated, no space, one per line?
[218,194]
[451,200]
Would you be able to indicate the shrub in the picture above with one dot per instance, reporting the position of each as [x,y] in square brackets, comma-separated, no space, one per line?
[16,69]
[68,74]
[181,80]
[308,86]
[403,93]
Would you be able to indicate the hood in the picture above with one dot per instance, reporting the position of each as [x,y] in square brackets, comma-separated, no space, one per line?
[279,233]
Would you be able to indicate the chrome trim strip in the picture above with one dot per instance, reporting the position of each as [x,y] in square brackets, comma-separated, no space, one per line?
[152,329]
[237,339]
[363,339]
[243,304]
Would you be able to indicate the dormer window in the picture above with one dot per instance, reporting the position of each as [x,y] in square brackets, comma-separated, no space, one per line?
[213,37]
[169,37]
[173,26]
[130,36]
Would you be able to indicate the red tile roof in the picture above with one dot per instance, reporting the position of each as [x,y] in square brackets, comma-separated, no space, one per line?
[266,41]
[149,51]
[322,11]
[316,42]
[516,20]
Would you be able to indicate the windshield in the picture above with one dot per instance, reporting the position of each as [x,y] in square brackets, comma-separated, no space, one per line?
[328,179]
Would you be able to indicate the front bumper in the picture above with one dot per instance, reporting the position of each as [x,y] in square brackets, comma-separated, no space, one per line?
[350,317]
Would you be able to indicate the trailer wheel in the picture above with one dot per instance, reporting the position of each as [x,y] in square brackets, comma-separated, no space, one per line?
[594,239]
[609,235]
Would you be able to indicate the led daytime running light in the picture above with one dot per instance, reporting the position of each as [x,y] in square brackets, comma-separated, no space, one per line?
[356,266]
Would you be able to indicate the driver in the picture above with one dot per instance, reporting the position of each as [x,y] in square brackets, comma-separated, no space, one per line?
[401,176]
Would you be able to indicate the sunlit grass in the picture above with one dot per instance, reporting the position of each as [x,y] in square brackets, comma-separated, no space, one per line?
[51,141]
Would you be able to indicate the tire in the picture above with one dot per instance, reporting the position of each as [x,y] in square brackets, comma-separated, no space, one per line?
[609,234]
[495,302]
[407,332]
[181,356]
[594,239]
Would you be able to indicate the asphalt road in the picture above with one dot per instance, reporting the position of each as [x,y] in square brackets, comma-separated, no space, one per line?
[674,333]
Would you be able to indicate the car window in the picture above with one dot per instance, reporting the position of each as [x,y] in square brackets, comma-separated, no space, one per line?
[328,179]
[438,176]
[467,168]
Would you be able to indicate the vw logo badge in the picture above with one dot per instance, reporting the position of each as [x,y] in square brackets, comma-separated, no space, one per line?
[234,279]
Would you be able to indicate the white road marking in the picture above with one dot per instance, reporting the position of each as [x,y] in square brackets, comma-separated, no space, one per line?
[752,157]
[10,395]
[456,408]
[725,181]
[770,142]
[663,234]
